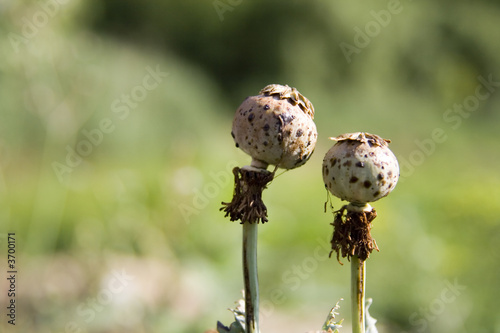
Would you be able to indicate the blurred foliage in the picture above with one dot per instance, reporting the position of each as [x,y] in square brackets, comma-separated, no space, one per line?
[145,199]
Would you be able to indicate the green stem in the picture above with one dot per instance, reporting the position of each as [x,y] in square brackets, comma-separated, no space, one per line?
[250,277]
[358,276]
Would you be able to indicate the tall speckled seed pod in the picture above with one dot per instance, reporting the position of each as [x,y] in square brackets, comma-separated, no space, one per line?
[275,127]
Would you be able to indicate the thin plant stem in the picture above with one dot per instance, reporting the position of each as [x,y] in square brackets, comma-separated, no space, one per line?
[250,277]
[358,276]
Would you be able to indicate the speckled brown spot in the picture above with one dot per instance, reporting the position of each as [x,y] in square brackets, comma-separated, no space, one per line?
[353,179]
[367,183]
[333,161]
[389,174]
[265,143]
[286,118]
[360,164]
[380,176]
[250,117]
[232,134]
[266,107]
[376,194]
[266,127]
[347,163]
[326,171]
[299,132]
[237,145]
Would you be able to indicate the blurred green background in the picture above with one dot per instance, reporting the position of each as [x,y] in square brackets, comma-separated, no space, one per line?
[115,153]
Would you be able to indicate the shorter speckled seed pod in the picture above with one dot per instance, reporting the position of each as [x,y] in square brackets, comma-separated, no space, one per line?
[360,168]
[276,127]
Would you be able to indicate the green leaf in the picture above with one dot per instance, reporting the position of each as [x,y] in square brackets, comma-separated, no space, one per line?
[330,324]
[238,326]
[369,320]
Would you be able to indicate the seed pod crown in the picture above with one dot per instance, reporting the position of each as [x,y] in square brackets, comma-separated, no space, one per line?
[294,96]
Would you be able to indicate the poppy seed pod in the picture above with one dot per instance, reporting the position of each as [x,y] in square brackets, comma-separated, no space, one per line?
[276,127]
[360,168]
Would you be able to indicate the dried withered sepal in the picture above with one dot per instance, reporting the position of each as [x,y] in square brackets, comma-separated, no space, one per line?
[351,235]
[247,205]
